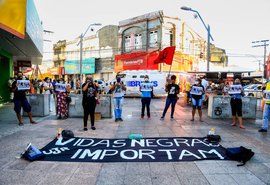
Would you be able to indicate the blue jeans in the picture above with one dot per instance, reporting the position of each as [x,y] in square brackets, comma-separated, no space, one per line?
[266,112]
[118,104]
[169,101]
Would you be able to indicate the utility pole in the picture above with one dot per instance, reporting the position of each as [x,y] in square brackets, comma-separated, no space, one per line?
[262,43]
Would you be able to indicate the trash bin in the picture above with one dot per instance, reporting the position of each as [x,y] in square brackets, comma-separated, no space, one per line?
[39,104]
[220,107]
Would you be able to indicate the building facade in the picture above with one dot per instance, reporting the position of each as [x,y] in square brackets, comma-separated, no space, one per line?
[21,41]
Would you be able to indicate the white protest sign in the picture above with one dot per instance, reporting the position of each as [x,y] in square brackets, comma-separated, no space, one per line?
[23,85]
[60,87]
[267,95]
[235,89]
[146,86]
[195,90]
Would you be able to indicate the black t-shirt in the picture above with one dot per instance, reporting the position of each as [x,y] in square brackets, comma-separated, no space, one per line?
[18,95]
[173,90]
[89,94]
[197,96]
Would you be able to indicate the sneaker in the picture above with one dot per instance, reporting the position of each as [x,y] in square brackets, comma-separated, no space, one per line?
[162,118]
[59,117]
[85,129]
[262,130]
[93,128]
[142,117]
[120,119]
[172,118]
[116,119]
[149,117]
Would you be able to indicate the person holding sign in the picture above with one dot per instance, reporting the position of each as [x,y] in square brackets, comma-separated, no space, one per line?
[62,91]
[19,87]
[173,90]
[236,92]
[266,110]
[197,91]
[90,97]
[118,89]
[146,88]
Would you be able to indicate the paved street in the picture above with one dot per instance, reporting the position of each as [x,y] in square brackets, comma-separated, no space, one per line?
[14,139]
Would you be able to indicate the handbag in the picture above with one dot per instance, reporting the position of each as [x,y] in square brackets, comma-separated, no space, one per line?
[68,99]
[32,153]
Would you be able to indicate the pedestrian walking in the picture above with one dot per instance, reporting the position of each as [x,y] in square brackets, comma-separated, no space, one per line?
[62,104]
[118,89]
[173,90]
[146,88]
[236,103]
[197,91]
[266,109]
[90,98]
[20,101]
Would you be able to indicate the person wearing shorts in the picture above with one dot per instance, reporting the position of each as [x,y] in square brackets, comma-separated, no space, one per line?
[20,101]
[197,94]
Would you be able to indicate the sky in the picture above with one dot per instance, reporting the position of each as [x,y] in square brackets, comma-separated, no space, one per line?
[234,23]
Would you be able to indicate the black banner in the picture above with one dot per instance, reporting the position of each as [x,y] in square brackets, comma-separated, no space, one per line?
[127,150]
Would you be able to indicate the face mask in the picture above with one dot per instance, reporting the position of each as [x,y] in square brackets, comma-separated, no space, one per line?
[237,83]
[118,80]
[61,82]
[196,82]
[146,79]
[48,81]
[19,77]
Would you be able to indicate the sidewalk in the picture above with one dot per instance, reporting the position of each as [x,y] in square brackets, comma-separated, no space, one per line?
[13,140]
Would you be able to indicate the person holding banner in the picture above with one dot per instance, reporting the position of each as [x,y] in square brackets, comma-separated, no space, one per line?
[90,98]
[266,109]
[62,91]
[197,91]
[146,88]
[118,89]
[173,90]
[19,87]
[236,93]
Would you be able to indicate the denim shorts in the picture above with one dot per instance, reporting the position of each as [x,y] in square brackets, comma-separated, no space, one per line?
[19,103]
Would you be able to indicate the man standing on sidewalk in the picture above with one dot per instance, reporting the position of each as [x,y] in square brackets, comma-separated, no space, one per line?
[118,89]
[266,110]
[146,88]
[21,101]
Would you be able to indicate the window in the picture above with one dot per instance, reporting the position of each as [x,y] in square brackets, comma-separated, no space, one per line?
[127,43]
[142,76]
[168,38]
[153,38]
[134,76]
[138,41]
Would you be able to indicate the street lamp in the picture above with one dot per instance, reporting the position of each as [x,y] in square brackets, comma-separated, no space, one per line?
[81,50]
[208,33]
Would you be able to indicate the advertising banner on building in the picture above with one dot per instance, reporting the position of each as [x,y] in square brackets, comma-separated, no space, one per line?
[135,61]
[73,66]
[13,16]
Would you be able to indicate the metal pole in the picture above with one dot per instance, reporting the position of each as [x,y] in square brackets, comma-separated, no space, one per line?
[208,47]
[81,51]
[264,60]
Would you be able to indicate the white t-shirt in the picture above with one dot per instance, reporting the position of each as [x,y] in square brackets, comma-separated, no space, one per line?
[205,84]
[47,85]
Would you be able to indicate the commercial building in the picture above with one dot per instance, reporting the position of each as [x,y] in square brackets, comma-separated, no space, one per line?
[21,40]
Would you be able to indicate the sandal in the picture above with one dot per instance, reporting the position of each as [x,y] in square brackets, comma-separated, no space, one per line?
[233,124]
[33,122]
[242,127]
[20,124]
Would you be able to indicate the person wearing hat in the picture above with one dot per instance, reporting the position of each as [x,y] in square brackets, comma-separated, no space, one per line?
[173,90]
[146,89]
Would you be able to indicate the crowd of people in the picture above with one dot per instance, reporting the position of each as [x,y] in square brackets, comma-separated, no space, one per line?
[195,95]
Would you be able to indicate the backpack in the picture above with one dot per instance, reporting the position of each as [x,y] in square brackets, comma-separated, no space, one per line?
[32,153]
[240,154]
[67,134]
[213,138]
